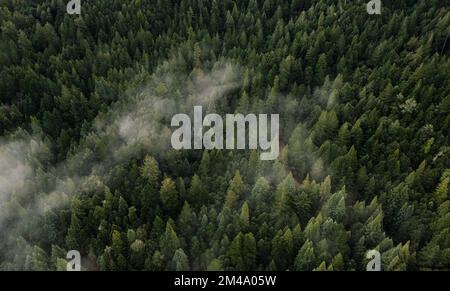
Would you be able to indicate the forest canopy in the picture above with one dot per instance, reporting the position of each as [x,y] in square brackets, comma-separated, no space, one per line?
[85,157]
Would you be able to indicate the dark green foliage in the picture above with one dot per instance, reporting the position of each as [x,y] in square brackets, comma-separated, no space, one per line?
[364,105]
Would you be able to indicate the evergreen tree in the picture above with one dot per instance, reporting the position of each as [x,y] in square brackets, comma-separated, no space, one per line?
[169,196]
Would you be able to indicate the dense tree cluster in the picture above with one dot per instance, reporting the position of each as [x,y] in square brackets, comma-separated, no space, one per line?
[364,103]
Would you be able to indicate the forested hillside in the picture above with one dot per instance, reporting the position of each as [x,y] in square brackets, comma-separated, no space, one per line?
[85,156]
